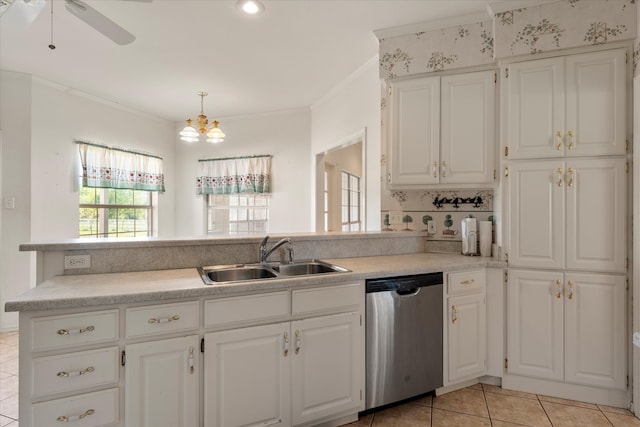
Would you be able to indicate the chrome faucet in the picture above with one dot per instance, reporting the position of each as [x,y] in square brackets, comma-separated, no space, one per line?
[263,253]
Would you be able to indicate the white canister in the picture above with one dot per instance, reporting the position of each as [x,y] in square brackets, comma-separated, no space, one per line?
[486,238]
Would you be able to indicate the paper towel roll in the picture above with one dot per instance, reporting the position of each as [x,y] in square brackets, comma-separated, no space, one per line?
[485,238]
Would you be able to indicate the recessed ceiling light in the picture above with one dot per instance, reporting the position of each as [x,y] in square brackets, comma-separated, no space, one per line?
[250,7]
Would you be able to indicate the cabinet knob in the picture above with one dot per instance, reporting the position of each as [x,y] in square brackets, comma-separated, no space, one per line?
[572,288]
[570,135]
[559,141]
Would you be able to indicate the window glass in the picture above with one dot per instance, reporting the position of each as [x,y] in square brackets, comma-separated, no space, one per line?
[237,214]
[110,212]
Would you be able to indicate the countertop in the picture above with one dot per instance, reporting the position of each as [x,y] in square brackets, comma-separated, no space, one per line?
[72,291]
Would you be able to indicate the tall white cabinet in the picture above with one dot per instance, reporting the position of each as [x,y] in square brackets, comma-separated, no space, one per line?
[442,130]
[564,144]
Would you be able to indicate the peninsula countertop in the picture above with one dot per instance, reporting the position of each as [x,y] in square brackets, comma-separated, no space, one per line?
[71,291]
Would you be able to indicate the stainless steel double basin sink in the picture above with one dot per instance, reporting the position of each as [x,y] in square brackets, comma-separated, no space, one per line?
[242,272]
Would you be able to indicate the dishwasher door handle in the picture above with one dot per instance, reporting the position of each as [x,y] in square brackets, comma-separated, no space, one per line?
[408,292]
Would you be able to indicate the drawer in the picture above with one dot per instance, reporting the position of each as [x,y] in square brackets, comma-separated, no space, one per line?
[53,332]
[161,319]
[69,372]
[86,410]
[465,282]
[328,299]
[250,308]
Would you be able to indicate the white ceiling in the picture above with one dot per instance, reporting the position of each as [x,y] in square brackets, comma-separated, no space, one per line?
[288,57]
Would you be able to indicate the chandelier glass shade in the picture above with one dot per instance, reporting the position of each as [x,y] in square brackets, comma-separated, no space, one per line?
[192,133]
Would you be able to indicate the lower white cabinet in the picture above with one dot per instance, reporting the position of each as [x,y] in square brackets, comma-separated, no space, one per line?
[465,326]
[247,376]
[327,356]
[466,337]
[289,373]
[162,382]
[568,327]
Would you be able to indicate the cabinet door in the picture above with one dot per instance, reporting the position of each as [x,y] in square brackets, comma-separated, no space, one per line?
[596,214]
[596,103]
[415,132]
[468,128]
[535,336]
[466,337]
[162,379]
[595,330]
[534,108]
[247,376]
[536,214]
[327,360]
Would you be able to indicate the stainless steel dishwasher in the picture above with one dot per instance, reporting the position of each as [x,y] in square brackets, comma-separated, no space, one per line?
[404,337]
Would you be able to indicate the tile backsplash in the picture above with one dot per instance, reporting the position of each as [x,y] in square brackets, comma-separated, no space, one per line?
[411,210]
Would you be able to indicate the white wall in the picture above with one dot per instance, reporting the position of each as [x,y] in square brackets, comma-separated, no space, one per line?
[15,124]
[350,107]
[39,122]
[59,118]
[285,135]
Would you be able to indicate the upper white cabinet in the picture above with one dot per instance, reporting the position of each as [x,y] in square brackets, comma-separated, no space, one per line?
[567,106]
[442,130]
[568,214]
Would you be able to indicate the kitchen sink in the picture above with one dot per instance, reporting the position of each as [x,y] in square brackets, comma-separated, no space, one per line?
[243,272]
[307,267]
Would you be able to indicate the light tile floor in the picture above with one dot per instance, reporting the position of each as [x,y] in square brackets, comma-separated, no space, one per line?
[476,406]
[486,405]
[9,379]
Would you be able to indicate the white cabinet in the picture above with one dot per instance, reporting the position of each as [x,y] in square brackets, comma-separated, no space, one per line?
[327,357]
[442,130]
[292,373]
[465,326]
[297,372]
[566,106]
[162,382]
[72,368]
[568,214]
[247,376]
[567,327]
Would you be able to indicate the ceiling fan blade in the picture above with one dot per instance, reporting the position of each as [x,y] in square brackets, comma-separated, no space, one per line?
[98,21]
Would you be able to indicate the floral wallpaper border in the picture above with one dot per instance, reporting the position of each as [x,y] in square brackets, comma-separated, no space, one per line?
[547,27]
[563,24]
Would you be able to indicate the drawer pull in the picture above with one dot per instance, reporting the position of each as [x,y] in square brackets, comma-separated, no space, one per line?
[297,342]
[192,360]
[164,319]
[454,314]
[468,282]
[75,373]
[65,419]
[286,344]
[76,331]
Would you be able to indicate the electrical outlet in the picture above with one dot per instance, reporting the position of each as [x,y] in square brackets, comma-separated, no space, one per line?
[395,217]
[77,261]
[431,227]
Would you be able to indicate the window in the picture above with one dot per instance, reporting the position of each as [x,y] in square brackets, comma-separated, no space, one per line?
[111,212]
[229,214]
[350,202]
[118,191]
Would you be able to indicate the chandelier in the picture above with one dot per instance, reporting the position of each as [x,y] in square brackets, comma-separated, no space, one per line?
[192,134]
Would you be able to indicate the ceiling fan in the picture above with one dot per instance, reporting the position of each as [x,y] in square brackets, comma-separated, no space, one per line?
[25,11]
